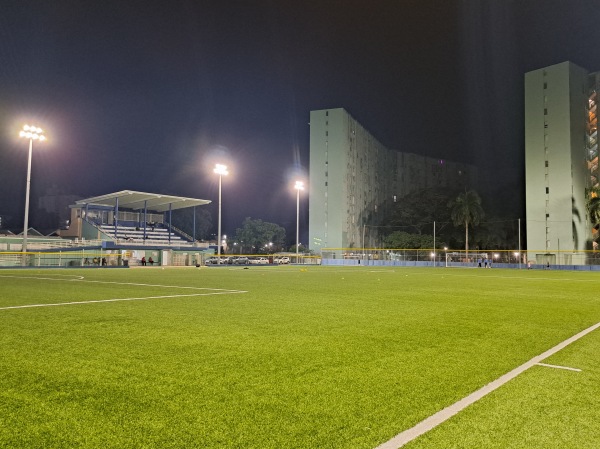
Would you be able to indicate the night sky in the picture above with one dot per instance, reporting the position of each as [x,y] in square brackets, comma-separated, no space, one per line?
[149,95]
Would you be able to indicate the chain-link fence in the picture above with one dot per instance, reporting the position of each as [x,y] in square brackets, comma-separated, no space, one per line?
[460,258]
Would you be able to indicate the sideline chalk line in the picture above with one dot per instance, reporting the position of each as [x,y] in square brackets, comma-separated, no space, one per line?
[81,279]
[29,306]
[438,418]
[206,291]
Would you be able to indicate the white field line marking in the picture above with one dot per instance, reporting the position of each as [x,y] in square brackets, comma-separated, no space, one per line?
[153,285]
[72,277]
[559,367]
[438,418]
[28,306]
[81,279]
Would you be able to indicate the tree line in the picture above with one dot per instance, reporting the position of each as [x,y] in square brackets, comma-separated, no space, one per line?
[454,220]
[458,217]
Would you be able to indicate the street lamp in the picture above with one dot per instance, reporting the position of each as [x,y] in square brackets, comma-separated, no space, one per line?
[220,170]
[32,133]
[298,186]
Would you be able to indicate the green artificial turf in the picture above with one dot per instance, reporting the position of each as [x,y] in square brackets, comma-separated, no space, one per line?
[290,357]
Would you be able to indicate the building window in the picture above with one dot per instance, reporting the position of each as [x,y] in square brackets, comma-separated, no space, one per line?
[326,113]
[546,163]
[545,85]
[326,133]
[547,189]
[547,215]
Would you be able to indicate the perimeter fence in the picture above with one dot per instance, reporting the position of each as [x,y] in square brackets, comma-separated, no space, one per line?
[58,258]
[452,258]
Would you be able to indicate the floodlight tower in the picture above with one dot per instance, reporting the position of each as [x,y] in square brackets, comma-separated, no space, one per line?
[220,170]
[299,186]
[32,133]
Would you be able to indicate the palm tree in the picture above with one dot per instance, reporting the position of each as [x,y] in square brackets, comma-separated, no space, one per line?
[593,208]
[466,210]
[593,204]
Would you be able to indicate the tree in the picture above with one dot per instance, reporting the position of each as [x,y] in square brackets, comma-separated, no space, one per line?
[418,210]
[593,204]
[404,240]
[466,210]
[184,220]
[593,209]
[255,235]
[301,249]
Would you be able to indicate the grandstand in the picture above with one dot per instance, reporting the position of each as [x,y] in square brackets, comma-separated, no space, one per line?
[123,227]
[130,217]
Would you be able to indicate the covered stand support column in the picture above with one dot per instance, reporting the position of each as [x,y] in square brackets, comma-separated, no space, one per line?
[116,217]
[145,217]
[170,228]
[194,224]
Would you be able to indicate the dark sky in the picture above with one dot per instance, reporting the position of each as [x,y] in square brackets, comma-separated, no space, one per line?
[148,95]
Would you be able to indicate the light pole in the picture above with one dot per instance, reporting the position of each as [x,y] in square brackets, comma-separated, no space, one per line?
[220,170]
[299,186]
[32,133]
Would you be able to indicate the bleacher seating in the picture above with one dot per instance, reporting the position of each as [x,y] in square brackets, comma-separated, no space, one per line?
[157,235]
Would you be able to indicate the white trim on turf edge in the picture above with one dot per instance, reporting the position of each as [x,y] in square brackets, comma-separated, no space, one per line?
[438,418]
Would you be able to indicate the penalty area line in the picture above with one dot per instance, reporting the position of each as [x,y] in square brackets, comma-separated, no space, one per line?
[141,298]
[568,368]
[443,415]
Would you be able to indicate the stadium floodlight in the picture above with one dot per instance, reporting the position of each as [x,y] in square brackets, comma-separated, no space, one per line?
[32,133]
[220,170]
[298,186]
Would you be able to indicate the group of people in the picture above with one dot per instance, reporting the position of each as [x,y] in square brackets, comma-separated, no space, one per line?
[150,261]
[486,263]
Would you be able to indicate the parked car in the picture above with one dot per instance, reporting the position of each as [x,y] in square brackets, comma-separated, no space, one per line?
[281,260]
[242,261]
[259,261]
[211,261]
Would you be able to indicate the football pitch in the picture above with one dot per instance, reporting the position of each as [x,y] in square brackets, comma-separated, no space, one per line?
[291,357]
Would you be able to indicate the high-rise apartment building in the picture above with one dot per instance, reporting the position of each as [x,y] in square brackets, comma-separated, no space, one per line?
[355,181]
[561,161]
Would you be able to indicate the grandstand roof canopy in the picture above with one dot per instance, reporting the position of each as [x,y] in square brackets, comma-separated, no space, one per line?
[129,199]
